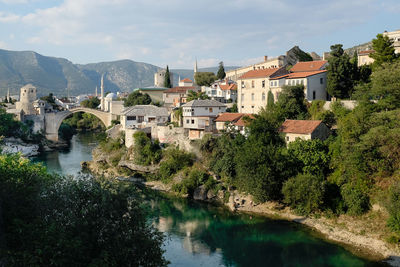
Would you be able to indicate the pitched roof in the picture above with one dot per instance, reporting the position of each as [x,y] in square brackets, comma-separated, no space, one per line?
[243,121]
[366,52]
[180,89]
[187,80]
[230,117]
[203,103]
[259,73]
[145,110]
[299,126]
[232,86]
[308,66]
[298,75]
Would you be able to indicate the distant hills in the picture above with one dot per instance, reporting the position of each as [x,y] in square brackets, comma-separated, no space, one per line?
[62,77]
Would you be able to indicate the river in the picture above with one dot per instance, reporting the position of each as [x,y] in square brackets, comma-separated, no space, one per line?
[199,234]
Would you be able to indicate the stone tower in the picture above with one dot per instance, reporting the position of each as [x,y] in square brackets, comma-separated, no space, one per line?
[26,99]
[159,78]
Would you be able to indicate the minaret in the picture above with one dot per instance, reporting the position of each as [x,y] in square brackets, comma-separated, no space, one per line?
[8,95]
[96,92]
[102,92]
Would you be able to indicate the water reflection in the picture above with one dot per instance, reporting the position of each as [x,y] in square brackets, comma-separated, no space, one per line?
[203,235]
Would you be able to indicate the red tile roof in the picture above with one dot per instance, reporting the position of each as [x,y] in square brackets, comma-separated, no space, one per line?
[180,89]
[244,120]
[308,66]
[299,126]
[231,86]
[187,80]
[366,52]
[230,117]
[259,73]
[298,75]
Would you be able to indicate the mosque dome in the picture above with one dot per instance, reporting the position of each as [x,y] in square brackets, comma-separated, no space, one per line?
[111,96]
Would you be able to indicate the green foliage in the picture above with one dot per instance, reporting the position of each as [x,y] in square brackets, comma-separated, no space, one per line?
[304,193]
[192,95]
[386,85]
[84,122]
[137,98]
[356,198]
[110,145]
[340,73]
[205,78]
[233,109]
[384,51]
[393,208]
[270,100]
[311,156]
[145,151]
[50,220]
[167,79]
[221,71]
[195,178]
[318,113]
[93,102]
[303,56]
[174,160]
[9,126]
[66,131]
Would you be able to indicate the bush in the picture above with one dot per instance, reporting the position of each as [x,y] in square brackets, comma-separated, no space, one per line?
[393,208]
[174,161]
[145,151]
[66,132]
[304,193]
[194,179]
[355,198]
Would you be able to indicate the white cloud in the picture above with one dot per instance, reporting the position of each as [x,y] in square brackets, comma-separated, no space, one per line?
[8,18]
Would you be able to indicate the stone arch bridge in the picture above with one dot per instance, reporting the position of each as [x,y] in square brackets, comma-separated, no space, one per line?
[53,120]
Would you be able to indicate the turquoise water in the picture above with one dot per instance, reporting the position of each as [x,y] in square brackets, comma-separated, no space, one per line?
[199,234]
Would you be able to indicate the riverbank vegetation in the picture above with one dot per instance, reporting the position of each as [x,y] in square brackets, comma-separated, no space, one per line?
[47,220]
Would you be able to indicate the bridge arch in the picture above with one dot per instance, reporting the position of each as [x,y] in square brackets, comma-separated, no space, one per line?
[53,120]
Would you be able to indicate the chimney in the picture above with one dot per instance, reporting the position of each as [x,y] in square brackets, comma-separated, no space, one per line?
[265,58]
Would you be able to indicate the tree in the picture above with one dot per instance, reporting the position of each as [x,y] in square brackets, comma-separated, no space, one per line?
[270,100]
[386,85]
[137,98]
[290,104]
[221,71]
[167,79]
[340,73]
[205,78]
[93,102]
[384,50]
[145,151]
[5,99]
[192,95]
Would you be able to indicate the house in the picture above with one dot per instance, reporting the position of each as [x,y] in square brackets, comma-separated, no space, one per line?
[227,119]
[199,116]
[176,96]
[304,129]
[394,36]
[314,84]
[253,88]
[242,124]
[141,116]
[156,93]
[308,66]
[268,63]
[223,91]
[185,82]
[364,57]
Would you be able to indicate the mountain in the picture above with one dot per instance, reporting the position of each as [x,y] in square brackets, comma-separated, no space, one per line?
[366,46]
[61,77]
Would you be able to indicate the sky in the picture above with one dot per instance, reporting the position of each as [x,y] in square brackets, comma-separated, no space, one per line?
[177,32]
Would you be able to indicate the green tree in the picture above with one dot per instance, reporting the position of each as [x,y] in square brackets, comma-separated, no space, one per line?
[167,79]
[340,73]
[137,98]
[221,71]
[145,151]
[384,50]
[386,85]
[270,100]
[192,95]
[93,102]
[5,99]
[205,78]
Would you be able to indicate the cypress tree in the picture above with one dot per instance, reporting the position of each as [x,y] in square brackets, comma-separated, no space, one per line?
[221,71]
[167,79]
[270,99]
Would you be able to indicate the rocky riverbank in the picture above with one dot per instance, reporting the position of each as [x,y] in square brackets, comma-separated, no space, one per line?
[364,236]
[16,145]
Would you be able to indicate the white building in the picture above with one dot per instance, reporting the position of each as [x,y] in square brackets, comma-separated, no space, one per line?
[141,116]
[186,82]
[223,91]
[199,116]
[304,130]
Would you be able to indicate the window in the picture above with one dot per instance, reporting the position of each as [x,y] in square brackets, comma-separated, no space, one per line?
[263,96]
[205,108]
[187,121]
[210,110]
[302,81]
[252,84]
[287,138]
[276,83]
[252,97]
[313,95]
[242,84]
[263,84]
[321,81]
[140,119]
[272,83]
[131,118]
[242,106]
[192,121]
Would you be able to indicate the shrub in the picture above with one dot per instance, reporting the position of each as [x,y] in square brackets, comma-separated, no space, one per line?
[355,198]
[174,161]
[393,208]
[146,152]
[304,193]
